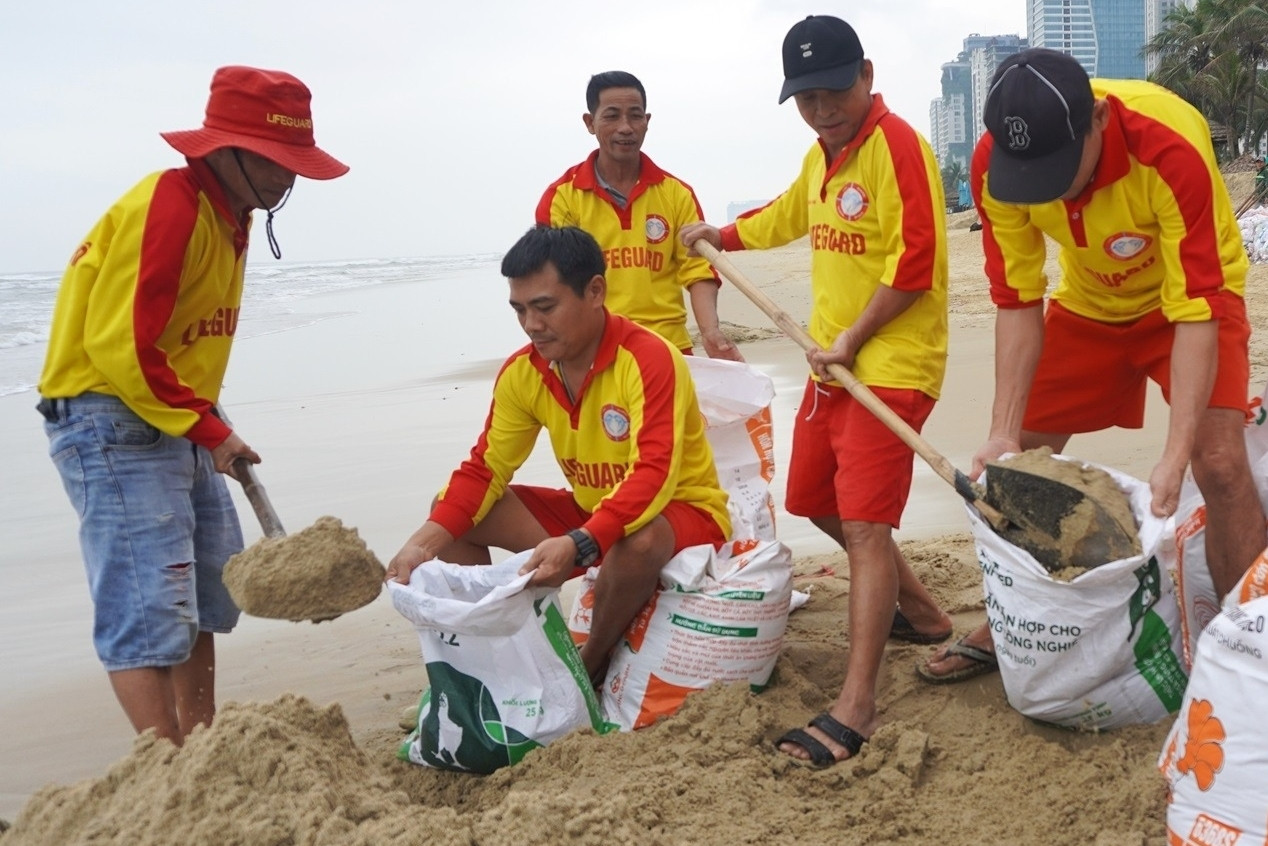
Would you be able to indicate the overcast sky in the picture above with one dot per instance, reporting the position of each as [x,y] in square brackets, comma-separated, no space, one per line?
[454,115]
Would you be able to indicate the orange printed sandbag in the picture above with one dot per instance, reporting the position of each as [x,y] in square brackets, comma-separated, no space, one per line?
[719,616]
[735,400]
[1215,758]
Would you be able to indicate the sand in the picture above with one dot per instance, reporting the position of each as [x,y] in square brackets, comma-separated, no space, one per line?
[951,765]
[1070,516]
[316,574]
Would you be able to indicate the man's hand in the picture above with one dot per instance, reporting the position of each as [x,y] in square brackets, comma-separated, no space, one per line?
[551,562]
[842,352]
[718,345]
[996,446]
[231,449]
[1164,483]
[423,545]
[693,232]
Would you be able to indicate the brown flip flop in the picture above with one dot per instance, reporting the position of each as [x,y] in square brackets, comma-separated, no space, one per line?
[983,662]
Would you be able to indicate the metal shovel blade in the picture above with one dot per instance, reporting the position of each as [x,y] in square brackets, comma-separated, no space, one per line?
[1057,523]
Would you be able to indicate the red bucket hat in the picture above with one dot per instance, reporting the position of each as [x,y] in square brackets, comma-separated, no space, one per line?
[266,112]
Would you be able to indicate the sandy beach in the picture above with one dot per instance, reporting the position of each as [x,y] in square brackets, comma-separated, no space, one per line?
[303,749]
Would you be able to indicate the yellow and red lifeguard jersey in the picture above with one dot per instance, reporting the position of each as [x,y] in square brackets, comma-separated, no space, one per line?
[876,216]
[647,266]
[148,306]
[1154,228]
[632,442]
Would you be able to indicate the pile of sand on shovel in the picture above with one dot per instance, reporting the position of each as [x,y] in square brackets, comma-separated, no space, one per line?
[316,574]
[1100,492]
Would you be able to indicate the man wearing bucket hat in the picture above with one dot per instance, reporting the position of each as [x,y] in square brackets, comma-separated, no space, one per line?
[1122,176]
[870,197]
[138,348]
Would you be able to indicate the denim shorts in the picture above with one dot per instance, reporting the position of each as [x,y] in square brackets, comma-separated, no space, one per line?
[156,526]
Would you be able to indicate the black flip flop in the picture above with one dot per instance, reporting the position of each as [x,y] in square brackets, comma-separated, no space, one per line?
[902,629]
[820,755]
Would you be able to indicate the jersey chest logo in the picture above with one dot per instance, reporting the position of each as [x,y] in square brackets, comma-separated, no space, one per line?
[1125,246]
[657,229]
[852,201]
[616,422]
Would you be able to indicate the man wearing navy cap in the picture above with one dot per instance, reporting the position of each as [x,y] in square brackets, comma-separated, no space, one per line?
[869,195]
[1122,176]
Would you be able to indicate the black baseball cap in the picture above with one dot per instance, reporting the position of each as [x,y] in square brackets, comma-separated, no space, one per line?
[820,52]
[1039,111]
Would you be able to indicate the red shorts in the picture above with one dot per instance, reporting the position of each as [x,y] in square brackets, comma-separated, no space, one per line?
[1092,375]
[559,514]
[845,461]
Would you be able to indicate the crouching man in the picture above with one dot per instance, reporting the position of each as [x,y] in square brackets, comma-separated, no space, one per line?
[619,405]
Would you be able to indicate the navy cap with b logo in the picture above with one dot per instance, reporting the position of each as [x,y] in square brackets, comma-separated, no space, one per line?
[820,52]
[1038,111]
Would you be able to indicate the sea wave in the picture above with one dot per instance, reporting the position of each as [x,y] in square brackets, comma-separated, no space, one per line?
[27,299]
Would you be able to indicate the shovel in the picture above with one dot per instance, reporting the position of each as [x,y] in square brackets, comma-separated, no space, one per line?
[270,523]
[1026,509]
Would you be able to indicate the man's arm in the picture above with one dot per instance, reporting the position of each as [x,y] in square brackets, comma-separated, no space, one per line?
[704,305]
[885,304]
[1018,343]
[1194,354]
[424,545]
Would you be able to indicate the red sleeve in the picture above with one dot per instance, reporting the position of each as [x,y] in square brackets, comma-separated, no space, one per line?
[169,227]
[915,268]
[652,479]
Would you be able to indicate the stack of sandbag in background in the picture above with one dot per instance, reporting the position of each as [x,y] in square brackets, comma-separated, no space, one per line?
[719,615]
[504,675]
[1216,757]
[1100,651]
[1198,601]
[735,400]
[1254,226]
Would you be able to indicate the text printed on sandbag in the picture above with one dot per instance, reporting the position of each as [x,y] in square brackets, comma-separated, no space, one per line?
[1024,633]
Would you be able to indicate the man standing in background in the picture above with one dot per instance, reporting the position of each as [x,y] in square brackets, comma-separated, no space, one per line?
[140,341]
[635,211]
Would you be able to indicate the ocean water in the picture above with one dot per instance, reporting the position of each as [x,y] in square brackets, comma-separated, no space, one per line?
[278,297]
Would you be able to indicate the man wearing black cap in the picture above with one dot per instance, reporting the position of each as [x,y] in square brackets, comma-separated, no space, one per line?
[869,195]
[137,352]
[1122,176]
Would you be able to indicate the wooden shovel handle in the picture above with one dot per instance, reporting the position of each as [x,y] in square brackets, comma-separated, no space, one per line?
[944,468]
[244,472]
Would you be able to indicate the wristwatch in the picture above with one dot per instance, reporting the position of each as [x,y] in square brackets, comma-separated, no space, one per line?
[587,549]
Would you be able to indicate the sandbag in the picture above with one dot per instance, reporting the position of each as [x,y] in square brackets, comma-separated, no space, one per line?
[719,616]
[1196,591]
[735,399]
[1215,759]
[504,675]
[1100,651]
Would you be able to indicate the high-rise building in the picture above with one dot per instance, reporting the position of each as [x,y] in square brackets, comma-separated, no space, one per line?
[1107,37]
[1156,12]
[955,118]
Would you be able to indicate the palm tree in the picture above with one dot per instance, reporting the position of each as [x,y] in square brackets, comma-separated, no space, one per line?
[1210,55]
[952,174]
